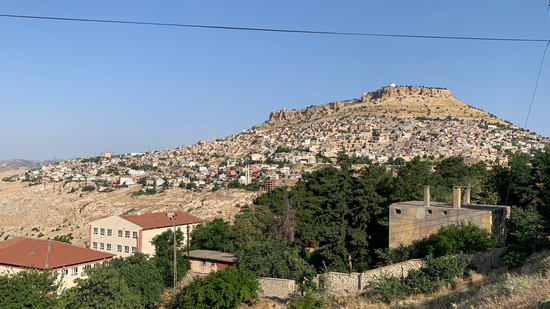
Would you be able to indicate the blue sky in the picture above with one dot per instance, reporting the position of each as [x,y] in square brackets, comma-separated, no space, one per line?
[69,89]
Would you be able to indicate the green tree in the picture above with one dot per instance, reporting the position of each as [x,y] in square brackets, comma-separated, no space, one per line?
[104,287]
[450,239]
[213,235]
[191,186]
[64,238]
[226,288]
[141,276]
[274,258]
[526,236]
[164,256]
[28,289]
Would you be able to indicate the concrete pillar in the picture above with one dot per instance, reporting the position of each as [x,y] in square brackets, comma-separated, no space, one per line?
[456,197]
[426,196]
[467,196]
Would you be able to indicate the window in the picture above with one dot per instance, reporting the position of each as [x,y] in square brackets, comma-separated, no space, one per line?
[118,248]
[102,232]
[126,249]
[64,272]
[119,233]
[101,246]
[109,232]
[127,234]
[94,245]
[429,211]
[95,230]
[106,263]
[109,247]
[212,264]
[96,265]
[86,267]
[134,249]
[203,263]
[134,234]
[74,271]
[397,211]
[444,212]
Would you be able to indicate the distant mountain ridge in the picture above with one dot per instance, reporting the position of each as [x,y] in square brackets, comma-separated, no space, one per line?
[15,164]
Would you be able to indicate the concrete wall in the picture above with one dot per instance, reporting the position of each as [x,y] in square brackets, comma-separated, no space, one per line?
[412,223]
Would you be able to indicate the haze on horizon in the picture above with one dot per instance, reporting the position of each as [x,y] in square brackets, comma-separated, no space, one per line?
[73,89]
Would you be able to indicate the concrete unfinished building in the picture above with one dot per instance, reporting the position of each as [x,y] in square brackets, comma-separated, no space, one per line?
[415,220]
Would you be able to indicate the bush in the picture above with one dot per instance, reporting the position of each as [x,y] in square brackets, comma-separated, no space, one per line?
[418,282]
[450,239]
[226,288]
[390,288]
[389,256]
[307,301]
[88,188]
[445,269]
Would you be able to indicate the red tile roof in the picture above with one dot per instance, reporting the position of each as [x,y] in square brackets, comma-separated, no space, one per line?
[160,219]
[27,252]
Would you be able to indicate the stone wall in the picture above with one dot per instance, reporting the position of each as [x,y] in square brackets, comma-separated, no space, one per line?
[277,289]
[487,260]
[341,283]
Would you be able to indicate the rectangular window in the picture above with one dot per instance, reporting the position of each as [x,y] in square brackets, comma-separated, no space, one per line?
[429,211]
[126,249]
[119,248]
[64,272]
[127,234]
[444,212]
[212,264]
[119,233]
[109,232]
[101,246]
[134,249]
[397,211]
[95,230]
[94,245]
[86,267]
[96,265]
[74,271]
[108,247]
[134,234]
[102,232]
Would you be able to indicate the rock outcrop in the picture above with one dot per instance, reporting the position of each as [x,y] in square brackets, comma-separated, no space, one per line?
[383,94]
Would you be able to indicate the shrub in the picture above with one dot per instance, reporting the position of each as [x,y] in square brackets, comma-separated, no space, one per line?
[445,269]
[227,288]
[88,188]
[307,301]
[389,256]
[418,282]
[450,239]
[390,288]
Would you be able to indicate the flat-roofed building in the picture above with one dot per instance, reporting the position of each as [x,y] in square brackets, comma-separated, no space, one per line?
[414,220]
[126,235]
[205,261]
[67,260]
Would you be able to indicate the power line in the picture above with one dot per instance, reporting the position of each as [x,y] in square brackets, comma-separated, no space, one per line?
[274,30]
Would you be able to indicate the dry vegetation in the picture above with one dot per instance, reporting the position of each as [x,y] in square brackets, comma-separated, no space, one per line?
[528,287]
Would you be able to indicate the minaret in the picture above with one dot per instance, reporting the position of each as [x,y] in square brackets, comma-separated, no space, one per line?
[212,137]
[247,173]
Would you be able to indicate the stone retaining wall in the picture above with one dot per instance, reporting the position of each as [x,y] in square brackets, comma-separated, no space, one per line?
[277,289]
[487,260]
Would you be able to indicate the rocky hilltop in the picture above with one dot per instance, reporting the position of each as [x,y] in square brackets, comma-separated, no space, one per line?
[388,101]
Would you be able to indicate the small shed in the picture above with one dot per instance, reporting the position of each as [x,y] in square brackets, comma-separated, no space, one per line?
[205,261]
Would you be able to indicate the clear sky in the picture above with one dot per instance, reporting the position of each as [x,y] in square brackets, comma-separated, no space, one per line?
[69,89]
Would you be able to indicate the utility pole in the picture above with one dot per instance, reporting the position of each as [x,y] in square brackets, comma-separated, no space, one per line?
[172,215]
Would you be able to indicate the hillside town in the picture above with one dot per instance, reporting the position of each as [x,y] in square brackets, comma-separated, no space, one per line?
[260,159]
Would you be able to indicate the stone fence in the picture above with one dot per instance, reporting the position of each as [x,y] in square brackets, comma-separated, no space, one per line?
[352,283]
[277,289]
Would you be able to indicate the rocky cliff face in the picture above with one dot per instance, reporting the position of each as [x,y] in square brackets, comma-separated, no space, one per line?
[383,93]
